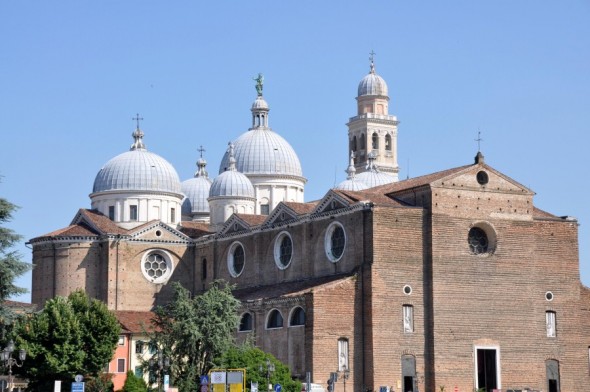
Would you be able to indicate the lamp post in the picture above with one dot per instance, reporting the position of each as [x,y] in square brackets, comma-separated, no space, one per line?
[162,363]
[270,368]
[9,361]
[343,375]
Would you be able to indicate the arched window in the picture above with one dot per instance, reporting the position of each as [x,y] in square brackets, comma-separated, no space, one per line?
[375,141]
[362,141]
[388,142]
[297,317]
[275,319]
[236,259]
[353,144]
[335,241]
[204,269]
[246,322]
[552,369]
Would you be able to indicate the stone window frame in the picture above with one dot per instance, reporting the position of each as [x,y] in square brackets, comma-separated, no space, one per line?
[271,314]
[551,323]
[169,266]
[292,316]
[491,236]
[245,328]
[408,318]
[278,245]
[328,241]
[230,259]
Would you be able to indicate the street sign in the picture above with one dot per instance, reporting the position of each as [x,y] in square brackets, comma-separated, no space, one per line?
[204,380]
[79,378]
[166,382]
[218,377]
[253,386]
[77,387]
[278,388]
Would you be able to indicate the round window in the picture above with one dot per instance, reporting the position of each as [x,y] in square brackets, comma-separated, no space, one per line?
[549,296]
[283,250]
[156,266]
[335,241]
[407,289]
[478,241]
[482,177]
[236,259]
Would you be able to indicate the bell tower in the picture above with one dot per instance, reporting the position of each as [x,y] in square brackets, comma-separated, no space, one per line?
[373,130]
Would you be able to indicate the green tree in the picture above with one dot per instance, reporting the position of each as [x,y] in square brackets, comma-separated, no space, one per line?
[254,361]
[134,383]
[101,383]
[192,331]
[74,335]
[11,267]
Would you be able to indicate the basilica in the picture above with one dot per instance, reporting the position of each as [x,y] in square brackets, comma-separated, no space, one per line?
[449,281]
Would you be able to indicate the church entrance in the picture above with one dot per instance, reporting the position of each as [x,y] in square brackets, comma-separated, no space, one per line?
[487,374]
[408,373]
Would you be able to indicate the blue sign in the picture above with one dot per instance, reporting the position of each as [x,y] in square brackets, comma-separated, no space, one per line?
[77,387]
[278,388]
[204,380]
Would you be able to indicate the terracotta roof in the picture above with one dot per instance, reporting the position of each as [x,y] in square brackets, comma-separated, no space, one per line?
[251,219]
[135,321]
[101,222]
[418,181]
[301,208]
[194,229]
[286,288]
[539,213]
[20,305]
[376,197]
[78,230]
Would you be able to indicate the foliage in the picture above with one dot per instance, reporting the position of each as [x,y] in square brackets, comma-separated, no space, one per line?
[101,383]
[192,332]
[74,335]
[254,361]
[134,383]
[11,267]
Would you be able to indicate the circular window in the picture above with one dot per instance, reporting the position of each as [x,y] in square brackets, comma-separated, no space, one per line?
[478,241]
[482,177]
[549,296]
[156,266]
[236,259]
[158,233]
[335,241]
[283,250]
[407,289]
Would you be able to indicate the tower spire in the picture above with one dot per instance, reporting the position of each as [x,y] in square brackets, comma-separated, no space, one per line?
[351,171]
[232,159]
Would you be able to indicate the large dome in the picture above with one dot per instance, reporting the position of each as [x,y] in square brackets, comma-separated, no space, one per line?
[262,151]
[372,84]
[137,170]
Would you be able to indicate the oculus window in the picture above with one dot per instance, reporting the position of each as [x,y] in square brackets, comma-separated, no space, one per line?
[283,250]
[478,241]
[156,266]
[335,241]
[236,259]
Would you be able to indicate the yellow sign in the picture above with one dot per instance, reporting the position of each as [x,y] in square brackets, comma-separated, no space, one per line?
[221,378]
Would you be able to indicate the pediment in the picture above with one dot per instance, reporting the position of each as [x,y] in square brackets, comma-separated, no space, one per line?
[234,224]
[331,202]
[282,213]
[481,177]
[157,231]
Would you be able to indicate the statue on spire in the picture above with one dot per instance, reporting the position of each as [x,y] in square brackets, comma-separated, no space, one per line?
[259,82]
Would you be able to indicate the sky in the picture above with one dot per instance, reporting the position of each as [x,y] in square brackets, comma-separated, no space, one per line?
[73,74]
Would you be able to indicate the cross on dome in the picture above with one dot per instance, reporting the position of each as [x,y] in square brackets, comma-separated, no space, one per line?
[137,135]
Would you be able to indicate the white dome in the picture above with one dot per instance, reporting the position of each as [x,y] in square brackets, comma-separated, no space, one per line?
[353,184]
[231,183]
[196,191]
[372,84]
[262,151]
[259,103]
[137,170]
[373,178]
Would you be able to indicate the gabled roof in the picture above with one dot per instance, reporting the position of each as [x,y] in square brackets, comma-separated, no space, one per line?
[373,196]
[194,229]
[79,230]
[241,223]
[333,200]
[301,208]
[97,221]
[156,224]
[135,321]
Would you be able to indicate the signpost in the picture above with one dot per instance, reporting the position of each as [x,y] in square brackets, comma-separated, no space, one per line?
[77,387]
[278,388]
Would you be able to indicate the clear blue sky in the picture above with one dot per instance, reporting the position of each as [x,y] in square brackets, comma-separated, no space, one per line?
[74,73]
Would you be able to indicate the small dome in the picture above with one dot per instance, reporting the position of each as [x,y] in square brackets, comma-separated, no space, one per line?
[372,84]
[262,151]
[374,178]
[353,184]
[137,170]
[231,182]
[196,191]
[259,103]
